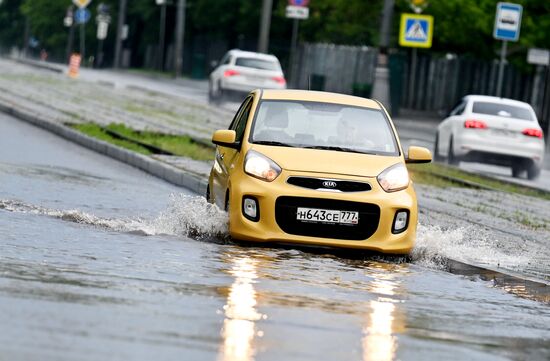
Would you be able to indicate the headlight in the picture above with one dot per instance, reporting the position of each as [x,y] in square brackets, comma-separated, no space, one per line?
[260,166]
[394,178]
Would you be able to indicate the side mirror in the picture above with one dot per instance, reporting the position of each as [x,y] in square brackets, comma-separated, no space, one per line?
[226,138]
[213,64]
[418,155]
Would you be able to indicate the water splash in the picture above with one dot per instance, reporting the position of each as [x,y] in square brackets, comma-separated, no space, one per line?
[185,216]
[434,245]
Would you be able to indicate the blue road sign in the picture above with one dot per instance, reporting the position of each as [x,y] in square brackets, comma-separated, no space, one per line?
[298,2]
[416,30]
[507,21]
[82,16]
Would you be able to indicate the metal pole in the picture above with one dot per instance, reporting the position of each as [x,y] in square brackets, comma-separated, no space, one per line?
[99,59]
[83,43]
[501,67]
[70,42]
[120,26]
[180,37]
[412,77]
[26,37]
[385,27]
[263,41]
[161,35]
[293,49]
[536,93]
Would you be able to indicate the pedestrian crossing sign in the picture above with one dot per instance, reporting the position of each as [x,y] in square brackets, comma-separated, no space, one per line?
[416,30]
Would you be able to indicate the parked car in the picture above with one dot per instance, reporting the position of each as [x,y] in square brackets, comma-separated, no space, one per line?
[239,72]
[315,168]
[492,130]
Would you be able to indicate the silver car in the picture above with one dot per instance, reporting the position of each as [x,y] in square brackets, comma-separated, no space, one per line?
[240,72]
[492,130]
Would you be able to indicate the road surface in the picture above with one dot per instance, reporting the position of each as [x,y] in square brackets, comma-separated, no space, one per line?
[101,261]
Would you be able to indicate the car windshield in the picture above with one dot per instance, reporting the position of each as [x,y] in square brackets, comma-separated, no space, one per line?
[502,110]
[323,126]
[257,63]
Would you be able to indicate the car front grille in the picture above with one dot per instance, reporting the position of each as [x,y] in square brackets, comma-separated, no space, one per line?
[286,209]
[329,184]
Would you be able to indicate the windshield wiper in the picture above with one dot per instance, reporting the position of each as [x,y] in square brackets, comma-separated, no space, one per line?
[339,149]
[273,142]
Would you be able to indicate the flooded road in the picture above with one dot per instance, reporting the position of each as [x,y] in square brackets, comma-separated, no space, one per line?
[101,261]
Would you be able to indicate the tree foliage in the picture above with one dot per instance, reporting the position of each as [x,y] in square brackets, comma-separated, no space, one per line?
[461,26]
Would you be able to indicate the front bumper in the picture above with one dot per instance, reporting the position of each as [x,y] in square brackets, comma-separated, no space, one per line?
[269,228]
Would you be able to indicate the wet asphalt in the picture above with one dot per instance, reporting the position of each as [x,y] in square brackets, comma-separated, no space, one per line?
[101,261]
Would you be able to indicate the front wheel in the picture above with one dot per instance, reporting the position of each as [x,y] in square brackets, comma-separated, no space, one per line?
[437,156]
[452,159]
[517,170]
[214,92]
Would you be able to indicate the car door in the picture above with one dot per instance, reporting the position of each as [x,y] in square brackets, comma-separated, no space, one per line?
[217,74]
[447,126]
[226,157]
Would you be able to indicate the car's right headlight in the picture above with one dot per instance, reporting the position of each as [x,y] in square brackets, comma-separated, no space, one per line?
[260,166]
[394,178]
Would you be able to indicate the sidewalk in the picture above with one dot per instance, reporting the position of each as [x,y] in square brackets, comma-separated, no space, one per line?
[54,98]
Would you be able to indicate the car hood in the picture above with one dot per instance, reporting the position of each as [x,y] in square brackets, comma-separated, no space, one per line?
[327,161]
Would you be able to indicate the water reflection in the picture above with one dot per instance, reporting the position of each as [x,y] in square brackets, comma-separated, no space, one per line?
[239,327]
[382,322]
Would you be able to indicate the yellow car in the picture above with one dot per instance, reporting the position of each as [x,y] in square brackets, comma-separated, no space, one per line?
[315,168]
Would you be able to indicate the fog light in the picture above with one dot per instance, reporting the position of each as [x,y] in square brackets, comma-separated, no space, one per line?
[400,222]
[250,209]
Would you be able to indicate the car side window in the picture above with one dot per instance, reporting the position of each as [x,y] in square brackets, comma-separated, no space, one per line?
[459,109]
[240,120]
[226,59]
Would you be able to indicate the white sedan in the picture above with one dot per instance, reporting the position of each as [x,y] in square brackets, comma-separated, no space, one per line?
[240,72]
[492,130]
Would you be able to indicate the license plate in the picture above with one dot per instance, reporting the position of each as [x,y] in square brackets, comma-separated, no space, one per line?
[503,133]
[327,216]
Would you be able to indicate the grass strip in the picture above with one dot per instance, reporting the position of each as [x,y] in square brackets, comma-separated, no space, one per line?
[180,145]
[443,176]
[94,130]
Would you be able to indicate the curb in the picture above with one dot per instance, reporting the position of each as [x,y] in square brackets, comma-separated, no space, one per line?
[167,172]
[519,285]
[37,64]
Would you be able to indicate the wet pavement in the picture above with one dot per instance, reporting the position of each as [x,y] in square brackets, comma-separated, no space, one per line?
[101,261]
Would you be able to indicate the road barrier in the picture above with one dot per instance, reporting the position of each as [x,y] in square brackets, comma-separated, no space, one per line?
[74,65]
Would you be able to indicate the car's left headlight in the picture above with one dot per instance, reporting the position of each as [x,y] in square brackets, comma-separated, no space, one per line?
[260,166]
[394,178]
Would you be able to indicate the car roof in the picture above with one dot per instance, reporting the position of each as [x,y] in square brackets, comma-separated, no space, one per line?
[497,100]
[250,54]
[318,96]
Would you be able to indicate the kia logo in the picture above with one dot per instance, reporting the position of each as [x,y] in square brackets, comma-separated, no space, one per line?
[329,184]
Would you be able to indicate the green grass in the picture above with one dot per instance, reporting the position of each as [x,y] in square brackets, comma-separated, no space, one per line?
[94,130]
[434,174]
[180,145]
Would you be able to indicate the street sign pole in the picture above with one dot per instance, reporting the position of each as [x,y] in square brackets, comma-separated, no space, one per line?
[265,24]
[120,29]
[296,10]
[83,42]
[500,78]
[180,37]
[162,33]
[412,81]
[293,49]
[415,31]
[507,28]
